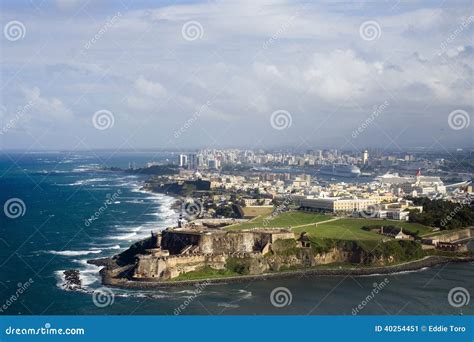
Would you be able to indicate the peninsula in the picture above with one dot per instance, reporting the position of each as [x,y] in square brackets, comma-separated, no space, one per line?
[238,222]
[198,252]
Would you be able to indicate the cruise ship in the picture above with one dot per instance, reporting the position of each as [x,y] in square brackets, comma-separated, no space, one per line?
[340,170]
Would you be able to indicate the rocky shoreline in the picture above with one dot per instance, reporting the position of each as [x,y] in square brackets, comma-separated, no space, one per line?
[111,278]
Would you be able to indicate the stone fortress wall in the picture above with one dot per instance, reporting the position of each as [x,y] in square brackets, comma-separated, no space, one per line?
[182,250]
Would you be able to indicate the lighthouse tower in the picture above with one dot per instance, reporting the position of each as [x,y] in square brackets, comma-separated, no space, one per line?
[418,176]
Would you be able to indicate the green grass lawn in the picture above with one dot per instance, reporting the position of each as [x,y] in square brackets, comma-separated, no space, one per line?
[343,229]
[351,229]
[205,273]
[286,219]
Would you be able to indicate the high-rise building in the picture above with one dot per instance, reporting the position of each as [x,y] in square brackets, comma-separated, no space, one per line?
[192,161]
[212,164]
[365,157]
[200,161]
[183,160]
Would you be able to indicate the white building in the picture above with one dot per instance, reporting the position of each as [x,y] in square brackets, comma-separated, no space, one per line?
[415,186]
[335,204]
[183,160]
[365,157]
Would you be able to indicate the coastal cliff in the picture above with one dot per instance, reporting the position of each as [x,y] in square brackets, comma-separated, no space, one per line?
[185,254]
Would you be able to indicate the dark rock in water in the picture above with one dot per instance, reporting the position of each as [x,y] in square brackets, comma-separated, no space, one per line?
[72,280]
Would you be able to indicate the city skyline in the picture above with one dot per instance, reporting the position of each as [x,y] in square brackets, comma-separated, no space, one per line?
[217,74]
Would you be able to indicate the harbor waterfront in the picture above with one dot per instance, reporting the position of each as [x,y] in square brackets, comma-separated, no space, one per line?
[54,235]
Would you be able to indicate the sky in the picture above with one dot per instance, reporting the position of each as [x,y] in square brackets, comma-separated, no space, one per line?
[253,74]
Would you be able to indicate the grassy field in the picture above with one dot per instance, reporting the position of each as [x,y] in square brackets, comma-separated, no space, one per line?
[343,229]
[351,229]
[286,219]
[347,226]
[205,273]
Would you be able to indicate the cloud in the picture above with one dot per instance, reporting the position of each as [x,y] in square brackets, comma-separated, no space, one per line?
[339,74]
[146,94]
[46,109]
[253,58]
[153,89]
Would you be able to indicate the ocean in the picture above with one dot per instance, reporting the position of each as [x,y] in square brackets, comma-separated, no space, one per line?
[71,211]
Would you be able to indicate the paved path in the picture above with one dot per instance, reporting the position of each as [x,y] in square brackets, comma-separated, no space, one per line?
[316,223]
